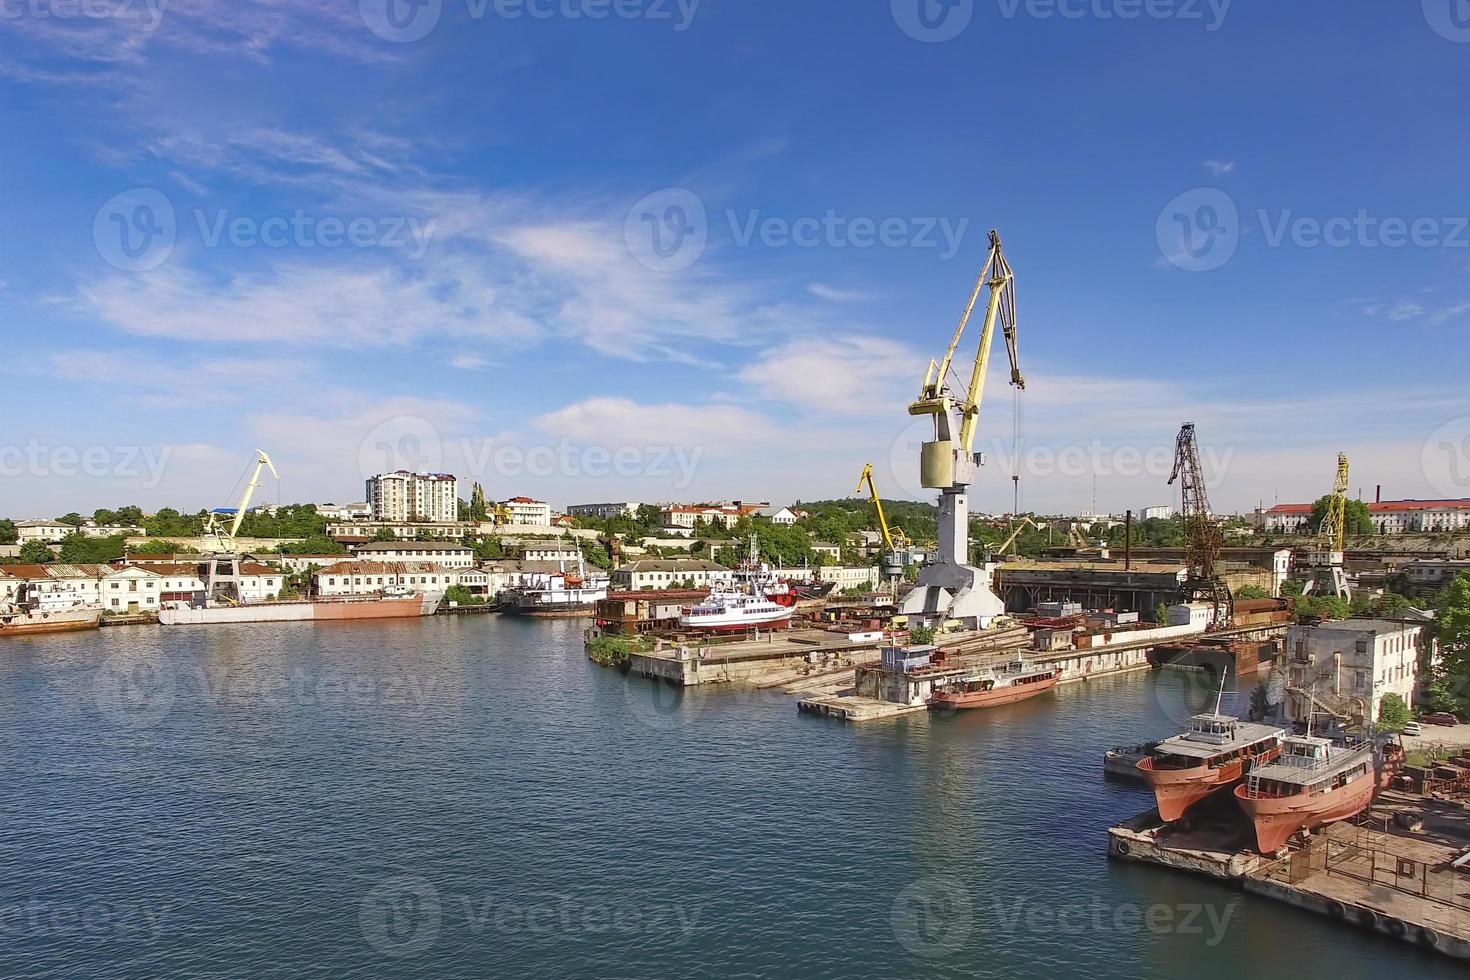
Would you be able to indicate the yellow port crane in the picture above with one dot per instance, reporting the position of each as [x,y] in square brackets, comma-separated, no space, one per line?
[1005,545]
[895,542]
[214,532]
[950,587]
[1326,573]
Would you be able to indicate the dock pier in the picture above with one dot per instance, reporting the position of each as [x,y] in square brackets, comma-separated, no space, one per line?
[1371,874]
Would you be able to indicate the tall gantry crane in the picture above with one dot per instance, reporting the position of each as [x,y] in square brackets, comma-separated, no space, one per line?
[1203,538]
[950,587]
[1326,574]
[222,573]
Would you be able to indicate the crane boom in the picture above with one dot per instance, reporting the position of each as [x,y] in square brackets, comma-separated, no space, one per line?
[1334,522]
[867,478]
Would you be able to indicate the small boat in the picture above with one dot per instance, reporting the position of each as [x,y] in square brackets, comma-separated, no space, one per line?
[1313,783]
[29,611]
[755,598]
[991,687]
[1215,753]
[566,593]
[1122,761]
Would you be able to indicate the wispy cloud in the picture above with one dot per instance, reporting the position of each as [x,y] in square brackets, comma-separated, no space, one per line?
[1219,168]
[835,295]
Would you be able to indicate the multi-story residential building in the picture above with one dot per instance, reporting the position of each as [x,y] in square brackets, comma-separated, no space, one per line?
[552,550]
[603,512]
[1388,516]
[827,550]
[1158,511]
[668,573]
[45,532]
[359,532]
[435,552]
[1346,667]
[431,498]
[525,510]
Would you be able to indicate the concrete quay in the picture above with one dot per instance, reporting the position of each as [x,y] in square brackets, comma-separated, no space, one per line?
[1371,874]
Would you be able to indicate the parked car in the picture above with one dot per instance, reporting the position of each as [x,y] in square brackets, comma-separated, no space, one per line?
[1442,718]
[1412,728]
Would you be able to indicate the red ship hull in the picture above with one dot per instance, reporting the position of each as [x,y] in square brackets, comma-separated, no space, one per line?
[1176,790]
[994,697]
[1276,818]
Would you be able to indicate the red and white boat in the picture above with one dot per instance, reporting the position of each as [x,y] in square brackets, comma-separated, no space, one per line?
[1214,754]
[754,599]
[992,687]
[1313,783]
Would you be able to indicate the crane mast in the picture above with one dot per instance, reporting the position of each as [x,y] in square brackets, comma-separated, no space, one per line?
[949,587]
[1326,573]
[1202,536]
[222,566]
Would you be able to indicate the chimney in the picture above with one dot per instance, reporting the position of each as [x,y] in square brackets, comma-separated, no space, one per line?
[1128,541]
[1378,494]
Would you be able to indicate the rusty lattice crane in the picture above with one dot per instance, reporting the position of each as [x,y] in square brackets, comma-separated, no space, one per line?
[1202,536]
[1326,573]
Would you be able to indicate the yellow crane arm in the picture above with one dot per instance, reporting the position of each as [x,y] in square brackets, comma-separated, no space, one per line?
[1002,307]
[261,460]
[1004,545]
[867,478]
[1334,524]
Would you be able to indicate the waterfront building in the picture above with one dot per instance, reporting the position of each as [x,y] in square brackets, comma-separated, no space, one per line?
[438,552]
[527,511]
[667,573]
[1344,668]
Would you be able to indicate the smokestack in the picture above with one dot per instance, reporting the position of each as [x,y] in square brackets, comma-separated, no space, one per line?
[1378,494]
[1128,541]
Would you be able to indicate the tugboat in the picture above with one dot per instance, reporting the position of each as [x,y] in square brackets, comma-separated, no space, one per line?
[26,613]
[1214,754]
[995,686]
[1314,782]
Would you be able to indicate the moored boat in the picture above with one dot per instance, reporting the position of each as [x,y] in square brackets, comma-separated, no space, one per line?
[1214,754]
[336,609]
[27,613]
[991,687]
[724,611]
[1313,783]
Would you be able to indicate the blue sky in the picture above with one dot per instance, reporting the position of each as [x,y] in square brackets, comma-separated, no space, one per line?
[499,309]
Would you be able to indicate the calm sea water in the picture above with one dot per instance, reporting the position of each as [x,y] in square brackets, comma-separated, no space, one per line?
[469,797]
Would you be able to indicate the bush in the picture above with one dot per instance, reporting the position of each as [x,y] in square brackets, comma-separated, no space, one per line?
[616,651]
[459,595]
[1393,713]
[921,636]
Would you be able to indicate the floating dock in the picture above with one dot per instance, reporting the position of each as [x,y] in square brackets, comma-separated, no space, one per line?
[1373,874]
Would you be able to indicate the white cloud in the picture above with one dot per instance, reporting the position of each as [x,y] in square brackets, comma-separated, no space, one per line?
[1449,313]
[835,295]
[853,375]
[469,362]
[1219,167]
[614,422]
[1405,311]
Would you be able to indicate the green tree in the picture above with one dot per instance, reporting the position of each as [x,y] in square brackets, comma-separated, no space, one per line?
[74,519]
[35,553]
[460,595]
[479,508]
[1393,713]
[80,549]
[1321,607]
[8,531]
[104,516]
[129,514]
[317,544]
[1452,628]
[1252,592]
[1357,520]
[385,534]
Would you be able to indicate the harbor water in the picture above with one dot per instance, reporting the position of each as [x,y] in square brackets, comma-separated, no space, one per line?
[470,797]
